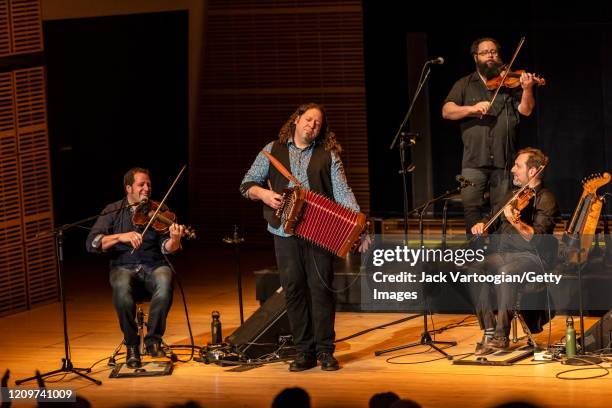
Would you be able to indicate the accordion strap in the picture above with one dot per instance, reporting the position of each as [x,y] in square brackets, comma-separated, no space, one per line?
[282,169]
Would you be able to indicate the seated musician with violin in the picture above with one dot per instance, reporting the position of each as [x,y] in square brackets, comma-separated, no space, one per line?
[489,131]
[136,259]
[524,244]
[308,149]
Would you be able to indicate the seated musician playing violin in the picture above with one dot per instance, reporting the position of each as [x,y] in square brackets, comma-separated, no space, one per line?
[136,259]
[523,245]
[308,149]
[489,131]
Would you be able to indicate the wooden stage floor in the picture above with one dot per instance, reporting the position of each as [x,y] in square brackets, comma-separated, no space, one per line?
[33,340]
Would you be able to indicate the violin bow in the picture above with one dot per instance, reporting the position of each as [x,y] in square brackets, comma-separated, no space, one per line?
[508,67]
[161,204]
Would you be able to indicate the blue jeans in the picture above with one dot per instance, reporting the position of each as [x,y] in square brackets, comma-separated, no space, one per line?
[135,282]
[496,181]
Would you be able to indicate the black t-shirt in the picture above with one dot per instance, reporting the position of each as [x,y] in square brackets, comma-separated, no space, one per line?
[491,141]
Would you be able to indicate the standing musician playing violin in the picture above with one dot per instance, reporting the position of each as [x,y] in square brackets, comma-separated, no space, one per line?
[489,132]
[525,244]
[136,259]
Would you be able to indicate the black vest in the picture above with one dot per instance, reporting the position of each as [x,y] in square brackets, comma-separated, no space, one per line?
[319,175]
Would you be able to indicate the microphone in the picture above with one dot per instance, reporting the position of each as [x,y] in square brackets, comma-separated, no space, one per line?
[436,61]
[464,181]
[141,203]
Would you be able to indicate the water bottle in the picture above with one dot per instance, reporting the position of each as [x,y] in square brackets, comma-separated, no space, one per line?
[570,338]
[215,328]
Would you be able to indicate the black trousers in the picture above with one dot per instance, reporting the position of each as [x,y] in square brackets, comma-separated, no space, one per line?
[488,297]
[306,275]
[496,181]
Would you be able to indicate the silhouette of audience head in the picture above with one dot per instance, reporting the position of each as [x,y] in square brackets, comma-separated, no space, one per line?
[404,403]
[517,404]
[383,400]
[292,398]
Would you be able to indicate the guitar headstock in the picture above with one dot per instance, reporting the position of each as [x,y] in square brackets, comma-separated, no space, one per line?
[594,181]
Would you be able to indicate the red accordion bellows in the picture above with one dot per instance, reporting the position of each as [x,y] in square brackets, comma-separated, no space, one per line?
[318,219]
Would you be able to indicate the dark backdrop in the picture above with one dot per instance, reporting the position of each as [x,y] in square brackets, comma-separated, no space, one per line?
[117,90]
[117,98]
[569,45]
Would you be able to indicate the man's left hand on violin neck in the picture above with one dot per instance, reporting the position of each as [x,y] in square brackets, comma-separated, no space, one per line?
[176,232]
[528,80]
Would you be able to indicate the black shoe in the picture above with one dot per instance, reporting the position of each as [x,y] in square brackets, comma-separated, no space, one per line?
[132,359]
[499,343]
[483,346]
[155,350]
[303,362]
[328,362]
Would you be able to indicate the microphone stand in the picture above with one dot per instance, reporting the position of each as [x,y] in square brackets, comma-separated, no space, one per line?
[236,240]
[426,338]
[410,140]
[402,136]
[67,366]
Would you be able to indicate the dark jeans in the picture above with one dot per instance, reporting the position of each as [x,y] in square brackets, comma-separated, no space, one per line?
[497,181]
[488,297]
[311,308]
[128,283]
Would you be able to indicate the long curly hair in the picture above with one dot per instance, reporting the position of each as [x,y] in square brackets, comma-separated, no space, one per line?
[326,136]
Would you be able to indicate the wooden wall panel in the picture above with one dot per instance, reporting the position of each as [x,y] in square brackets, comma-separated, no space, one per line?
[5,29]
[28,275]
[261,60]
[10,203]
[42,273]
[26,26]
[12,279]
[35,180]
[10,208]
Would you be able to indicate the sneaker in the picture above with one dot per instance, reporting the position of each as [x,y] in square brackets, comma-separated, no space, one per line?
[303,362]
[328,362]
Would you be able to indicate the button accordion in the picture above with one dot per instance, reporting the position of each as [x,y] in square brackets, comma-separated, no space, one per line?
[316,218]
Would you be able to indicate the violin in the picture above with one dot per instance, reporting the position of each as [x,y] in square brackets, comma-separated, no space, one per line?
[162,221]
[520,202]
[512,80]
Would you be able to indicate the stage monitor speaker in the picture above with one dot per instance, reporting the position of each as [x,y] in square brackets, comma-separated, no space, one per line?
[261,332]
[599,336]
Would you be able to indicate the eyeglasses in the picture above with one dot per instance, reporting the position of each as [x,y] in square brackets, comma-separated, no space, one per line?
[494,53]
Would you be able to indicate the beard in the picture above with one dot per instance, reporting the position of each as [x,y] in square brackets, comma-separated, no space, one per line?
[489,71]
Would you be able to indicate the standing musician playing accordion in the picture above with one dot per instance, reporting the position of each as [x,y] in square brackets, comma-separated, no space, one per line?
[309,149]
